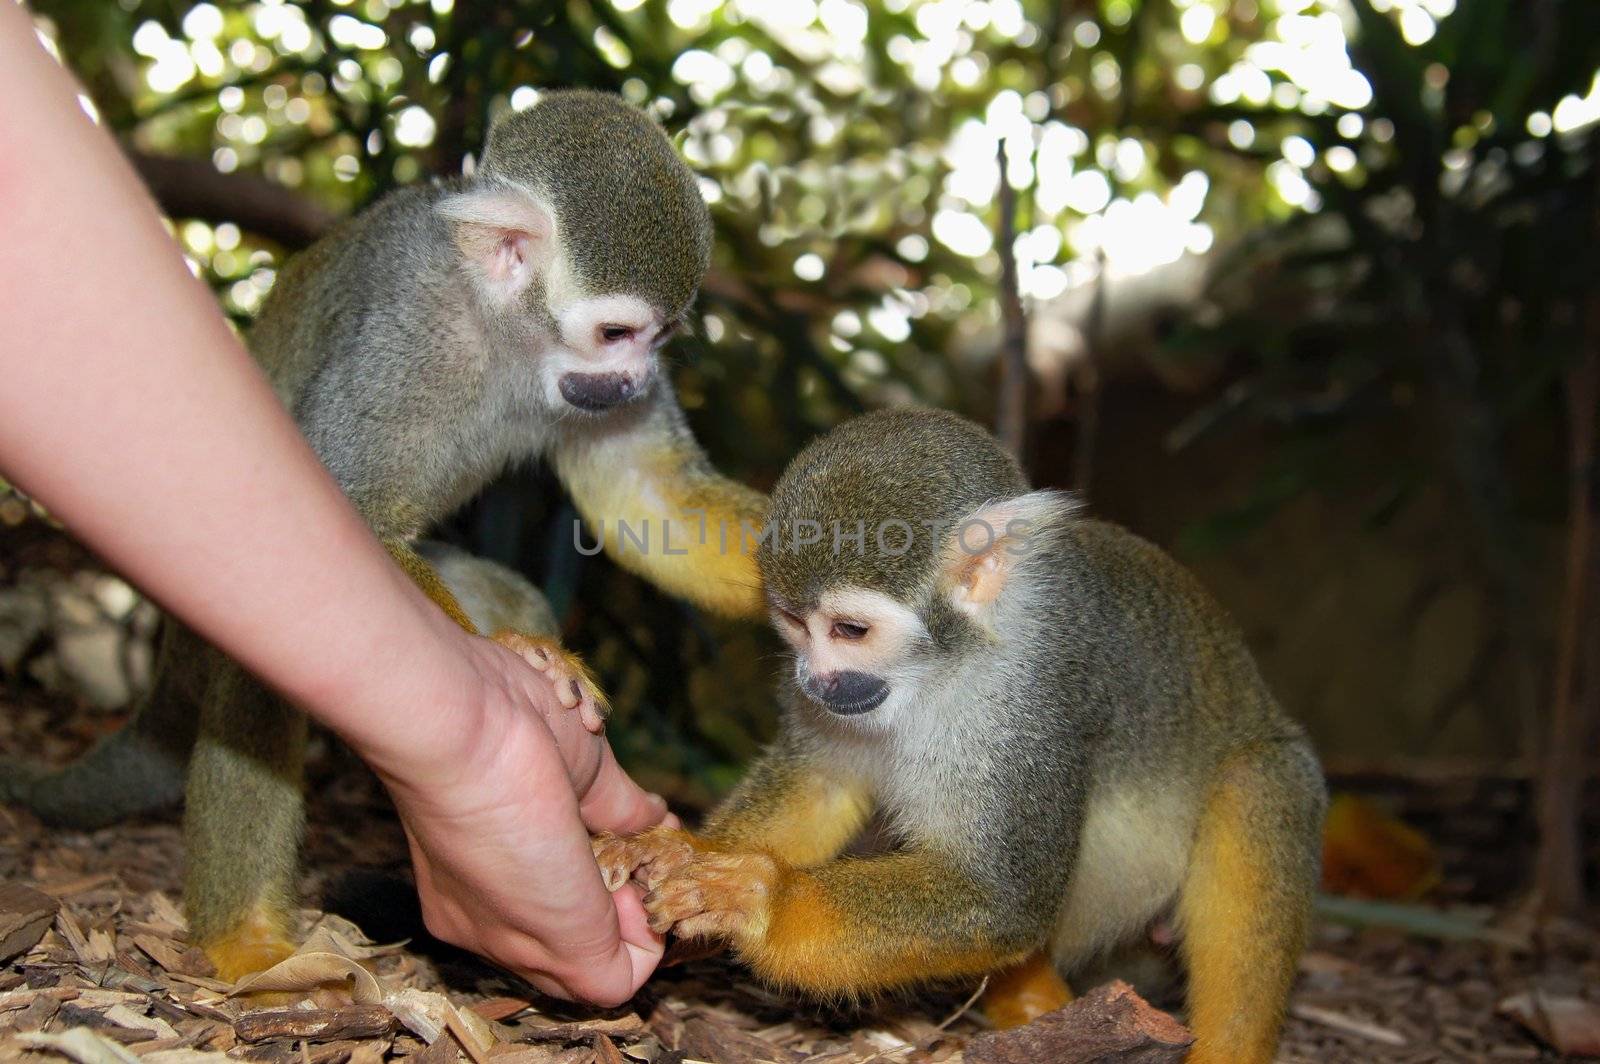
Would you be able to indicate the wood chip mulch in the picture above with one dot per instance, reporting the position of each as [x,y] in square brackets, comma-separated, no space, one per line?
[94,965]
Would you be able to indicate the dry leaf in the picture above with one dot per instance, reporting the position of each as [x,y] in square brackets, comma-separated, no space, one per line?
[331,954]
[335,934]
[708,1039]
[1568,1025]
[429,1015]
[305,972]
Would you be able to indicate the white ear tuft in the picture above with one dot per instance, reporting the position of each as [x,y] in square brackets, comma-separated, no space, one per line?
[982,551]
[503,233]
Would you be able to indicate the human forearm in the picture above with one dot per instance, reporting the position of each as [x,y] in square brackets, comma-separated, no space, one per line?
[135,415]
[173,485]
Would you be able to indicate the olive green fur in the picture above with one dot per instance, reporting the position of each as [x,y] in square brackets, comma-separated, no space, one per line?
[904,468]
[631,188]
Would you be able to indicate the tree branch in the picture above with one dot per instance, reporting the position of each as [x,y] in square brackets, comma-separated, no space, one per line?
[192,188]
[1558,868]
[1011,416]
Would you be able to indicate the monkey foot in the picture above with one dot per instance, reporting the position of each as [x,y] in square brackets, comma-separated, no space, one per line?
[567,673]
[1019,995]
[256,945]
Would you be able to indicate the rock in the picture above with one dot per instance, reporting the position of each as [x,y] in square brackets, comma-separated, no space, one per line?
[24,616]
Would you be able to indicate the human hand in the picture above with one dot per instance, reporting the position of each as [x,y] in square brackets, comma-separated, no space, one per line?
[497,803]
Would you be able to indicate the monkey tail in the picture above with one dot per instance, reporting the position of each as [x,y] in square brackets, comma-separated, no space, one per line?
[135,771]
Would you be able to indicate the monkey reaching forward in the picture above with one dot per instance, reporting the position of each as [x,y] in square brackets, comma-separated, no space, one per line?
[449,331]
[1067,735]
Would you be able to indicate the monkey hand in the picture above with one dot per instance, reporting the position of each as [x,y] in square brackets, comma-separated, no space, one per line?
[651,854]
[574,685]
[694,887]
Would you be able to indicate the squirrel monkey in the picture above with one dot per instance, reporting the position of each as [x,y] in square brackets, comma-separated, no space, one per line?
[451,330]
[1066,735]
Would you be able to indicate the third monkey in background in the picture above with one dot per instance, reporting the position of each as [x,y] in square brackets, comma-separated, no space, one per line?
[1066,735]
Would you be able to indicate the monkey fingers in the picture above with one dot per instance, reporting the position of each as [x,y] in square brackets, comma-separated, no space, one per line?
[716,895]
[653,855]
[573,683]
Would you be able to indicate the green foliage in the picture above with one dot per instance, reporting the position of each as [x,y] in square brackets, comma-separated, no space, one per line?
[1444,278]
[851,153]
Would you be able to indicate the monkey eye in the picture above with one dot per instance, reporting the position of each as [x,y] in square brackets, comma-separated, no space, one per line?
[849,630]
[612,334]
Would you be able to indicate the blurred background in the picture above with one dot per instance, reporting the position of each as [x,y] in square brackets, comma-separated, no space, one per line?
[1305,291]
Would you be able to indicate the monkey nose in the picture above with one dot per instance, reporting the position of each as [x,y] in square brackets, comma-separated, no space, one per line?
[848,692]
[597,391]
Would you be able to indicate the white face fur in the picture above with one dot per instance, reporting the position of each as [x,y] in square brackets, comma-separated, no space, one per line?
[607,346]
[865,657]
[855,653]
[604,348]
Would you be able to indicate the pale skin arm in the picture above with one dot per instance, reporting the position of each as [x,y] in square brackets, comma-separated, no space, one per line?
[130,410]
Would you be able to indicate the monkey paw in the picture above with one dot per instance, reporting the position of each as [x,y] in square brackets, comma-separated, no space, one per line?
[715,895]
[567,673]
[255,944]
[653,855]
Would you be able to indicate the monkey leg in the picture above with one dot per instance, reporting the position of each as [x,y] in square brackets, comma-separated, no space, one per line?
[140,768]
[242,826]
[1245,905]
[1021,994]
[427,578]
[842,929]
[492,596]
[485,598]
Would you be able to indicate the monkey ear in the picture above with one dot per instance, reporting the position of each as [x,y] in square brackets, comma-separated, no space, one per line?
[502,233]
[982,552]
